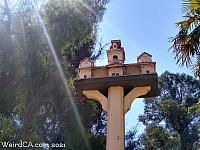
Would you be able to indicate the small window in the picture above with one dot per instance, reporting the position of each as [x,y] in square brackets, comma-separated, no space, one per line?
[85,76]
[147,71]
[115,57]
[115,74]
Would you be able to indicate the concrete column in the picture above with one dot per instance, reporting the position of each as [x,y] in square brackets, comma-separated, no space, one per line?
[115,126]
[116,105]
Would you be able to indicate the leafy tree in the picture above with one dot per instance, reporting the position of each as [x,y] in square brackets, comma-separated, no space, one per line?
[179,93]
[7,130]
[156,137]
[131,139]
[32,96]
[77,41]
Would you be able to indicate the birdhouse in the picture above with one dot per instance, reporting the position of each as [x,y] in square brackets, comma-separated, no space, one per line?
[146,63]
[116,66]
[115,86]
[85,68]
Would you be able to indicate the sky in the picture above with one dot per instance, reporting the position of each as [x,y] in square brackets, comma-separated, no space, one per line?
[143,26]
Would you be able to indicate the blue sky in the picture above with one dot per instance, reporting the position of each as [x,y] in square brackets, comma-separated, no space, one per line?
[143,25]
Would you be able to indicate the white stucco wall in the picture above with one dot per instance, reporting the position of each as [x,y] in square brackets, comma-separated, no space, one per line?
[85,73]
[115,70]
[148,68]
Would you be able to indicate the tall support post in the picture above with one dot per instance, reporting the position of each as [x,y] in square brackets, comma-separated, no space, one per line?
[115,127]
[116,105]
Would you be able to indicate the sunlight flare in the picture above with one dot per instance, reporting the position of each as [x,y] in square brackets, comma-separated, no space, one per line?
[64,80]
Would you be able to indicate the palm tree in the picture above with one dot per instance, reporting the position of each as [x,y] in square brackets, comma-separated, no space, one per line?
[186,42]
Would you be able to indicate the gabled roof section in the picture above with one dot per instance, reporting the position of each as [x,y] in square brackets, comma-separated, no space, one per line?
[145,53]
[86,58]
[116,41]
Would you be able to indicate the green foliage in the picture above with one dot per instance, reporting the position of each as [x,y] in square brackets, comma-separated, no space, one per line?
[155,137]
[7,130]
[97,142]
[177,110]
[31,87]
[73,26]
[131,140]
[175,114]
[195,108]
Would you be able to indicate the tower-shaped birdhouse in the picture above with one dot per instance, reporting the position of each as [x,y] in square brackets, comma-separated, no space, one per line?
[116,53]
[86,68]
[146,64]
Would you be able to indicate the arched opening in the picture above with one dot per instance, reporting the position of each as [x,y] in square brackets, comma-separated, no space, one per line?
[115,46]
[115,57]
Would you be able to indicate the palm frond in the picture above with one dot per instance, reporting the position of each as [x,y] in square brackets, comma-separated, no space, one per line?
[181,50]
[186,6]
[196,67]
[190,5]
[186,43]
[186,46]
[194,41]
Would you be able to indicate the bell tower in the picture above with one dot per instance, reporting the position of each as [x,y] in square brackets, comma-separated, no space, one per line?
[116,53]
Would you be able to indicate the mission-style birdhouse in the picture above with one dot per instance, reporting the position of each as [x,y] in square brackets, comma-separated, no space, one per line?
[116,66]
[145,61]
[115,86]
[86,64]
